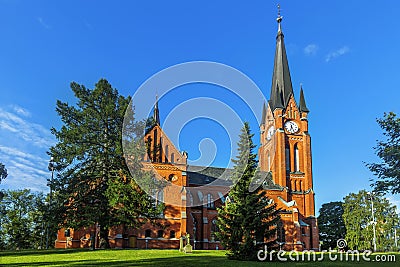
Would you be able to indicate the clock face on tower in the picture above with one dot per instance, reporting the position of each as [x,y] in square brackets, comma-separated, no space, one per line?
[270,132]
[291,127]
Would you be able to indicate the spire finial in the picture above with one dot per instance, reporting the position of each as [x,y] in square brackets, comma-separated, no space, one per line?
[156,114]
[279,18]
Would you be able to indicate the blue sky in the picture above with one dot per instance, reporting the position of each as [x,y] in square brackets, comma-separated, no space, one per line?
[345,53]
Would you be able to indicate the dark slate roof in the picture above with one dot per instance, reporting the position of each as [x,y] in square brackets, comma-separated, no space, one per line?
[268,183]
[200,175]
[281,88]
[302,105]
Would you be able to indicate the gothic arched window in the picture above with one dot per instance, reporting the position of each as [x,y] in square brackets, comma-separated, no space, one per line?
[214,230]
[160,234]
[280,232]
[210,201]
[287,154]
[172,234]
[296,158]
[147,233]
[166,153]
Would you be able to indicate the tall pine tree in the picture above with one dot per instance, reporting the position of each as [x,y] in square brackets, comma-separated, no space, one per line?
[93,184]
[248,220]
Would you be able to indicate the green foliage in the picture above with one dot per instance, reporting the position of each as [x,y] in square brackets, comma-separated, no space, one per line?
[3,172]
[93,183]
[331,224]
[388,150]
[357,215]
[22,220]
[248,220]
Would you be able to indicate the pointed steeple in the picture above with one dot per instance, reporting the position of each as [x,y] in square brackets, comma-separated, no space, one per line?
[156,114]
[276,99]
[302,105]
[264,114]
[281,80]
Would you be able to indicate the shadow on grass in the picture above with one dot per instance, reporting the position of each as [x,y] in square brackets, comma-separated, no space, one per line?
[199,258]
[175,261]
[150,262]
[17,253]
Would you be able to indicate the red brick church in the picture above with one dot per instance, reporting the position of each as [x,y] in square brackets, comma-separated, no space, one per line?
[285,161]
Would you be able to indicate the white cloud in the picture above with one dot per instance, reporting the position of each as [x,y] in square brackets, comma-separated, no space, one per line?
[340,52]
[311,49]
[31,132]
[21,111]
[25,170]
[5,126]
[44,24]
[23,146]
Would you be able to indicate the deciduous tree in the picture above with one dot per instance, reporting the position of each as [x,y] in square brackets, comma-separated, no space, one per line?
[22,224]
[388,150]
[357,215]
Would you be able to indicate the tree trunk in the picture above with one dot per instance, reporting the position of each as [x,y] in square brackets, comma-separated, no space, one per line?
[104,242]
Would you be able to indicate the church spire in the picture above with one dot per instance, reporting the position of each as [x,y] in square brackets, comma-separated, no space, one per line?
[281,81]
[264,114]
[156,114]
[303,106]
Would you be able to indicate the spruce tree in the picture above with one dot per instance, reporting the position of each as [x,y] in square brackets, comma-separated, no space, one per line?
[247,222]
[93,183]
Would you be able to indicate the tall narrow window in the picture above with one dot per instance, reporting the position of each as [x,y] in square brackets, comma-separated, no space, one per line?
[172,157]
[166,153]
[160,234]
[210,201]
[296,159]
[269,161]
[172,234]
[155,146]
[280,232]
[214,230]
[147,233]
[159,150]
[160,196]
[287,153]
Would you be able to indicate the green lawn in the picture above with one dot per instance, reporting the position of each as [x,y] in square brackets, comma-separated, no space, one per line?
[152,258]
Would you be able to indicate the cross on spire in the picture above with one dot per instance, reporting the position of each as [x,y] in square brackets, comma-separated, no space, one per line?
[279,18]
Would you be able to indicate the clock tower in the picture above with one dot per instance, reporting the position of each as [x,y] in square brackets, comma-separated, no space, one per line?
[285,152]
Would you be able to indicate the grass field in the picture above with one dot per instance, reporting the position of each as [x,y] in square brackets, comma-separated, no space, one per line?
[155,258]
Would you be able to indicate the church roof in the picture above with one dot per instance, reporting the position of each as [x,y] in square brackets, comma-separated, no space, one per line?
[281,88]
[200,175]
